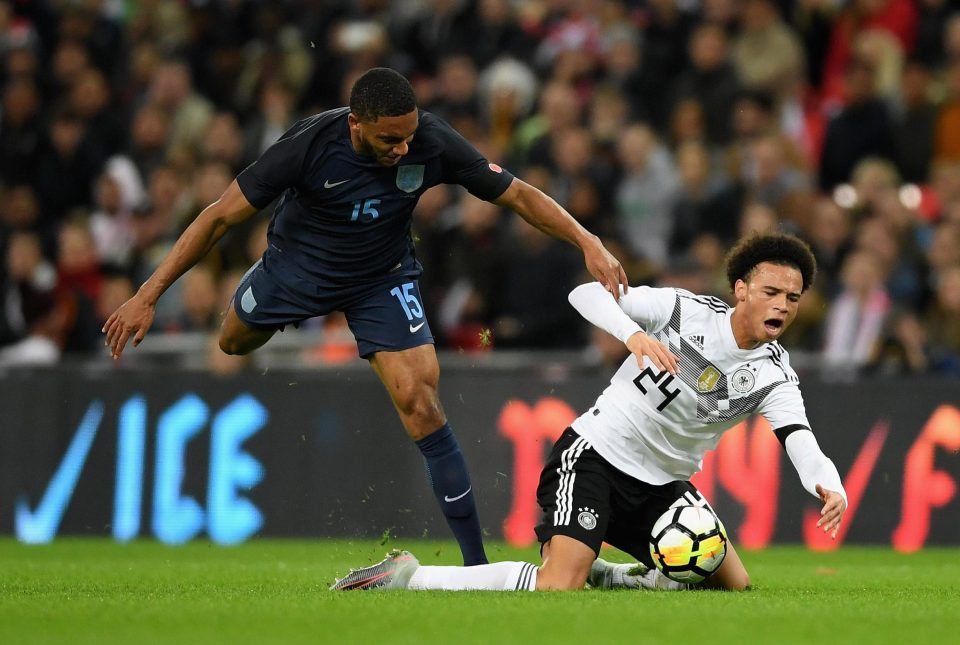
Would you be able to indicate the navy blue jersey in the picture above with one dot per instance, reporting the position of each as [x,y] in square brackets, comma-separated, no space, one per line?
[345,218]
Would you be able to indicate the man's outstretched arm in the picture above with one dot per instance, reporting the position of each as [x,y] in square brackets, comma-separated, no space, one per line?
[547,215]
[135,316]
[819,476]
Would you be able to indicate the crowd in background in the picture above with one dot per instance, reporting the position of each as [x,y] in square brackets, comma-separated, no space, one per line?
[667,127]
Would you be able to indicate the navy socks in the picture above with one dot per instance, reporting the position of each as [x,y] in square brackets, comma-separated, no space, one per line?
[447,472]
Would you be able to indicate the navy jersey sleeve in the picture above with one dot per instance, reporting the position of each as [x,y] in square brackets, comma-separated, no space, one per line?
[463,164]
[280,166]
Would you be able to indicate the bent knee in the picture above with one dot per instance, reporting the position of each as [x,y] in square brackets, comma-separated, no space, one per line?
[230,347]
[560,581]
[233,346]
[421,403]
[739,582]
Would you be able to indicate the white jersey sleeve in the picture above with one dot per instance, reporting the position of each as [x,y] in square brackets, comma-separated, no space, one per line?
[640,309]
[812,465]
[783,409]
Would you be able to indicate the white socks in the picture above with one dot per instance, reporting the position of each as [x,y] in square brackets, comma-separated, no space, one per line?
[607,575]
[499,576]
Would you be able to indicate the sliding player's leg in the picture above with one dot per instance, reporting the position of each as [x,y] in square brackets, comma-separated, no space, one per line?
[732,575]
[573,495]
[631,534]
[566,563]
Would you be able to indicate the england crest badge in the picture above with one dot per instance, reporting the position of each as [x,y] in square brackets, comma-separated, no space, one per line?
[410,178]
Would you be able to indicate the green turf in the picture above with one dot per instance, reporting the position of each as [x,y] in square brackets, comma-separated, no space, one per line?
[97,591]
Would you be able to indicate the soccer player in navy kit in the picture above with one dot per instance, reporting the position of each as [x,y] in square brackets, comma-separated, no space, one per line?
[348,180]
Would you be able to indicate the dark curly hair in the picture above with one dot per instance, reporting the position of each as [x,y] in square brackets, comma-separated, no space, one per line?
[776,248]
[381,91]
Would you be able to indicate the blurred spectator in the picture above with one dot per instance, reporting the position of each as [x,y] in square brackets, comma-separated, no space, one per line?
[905,349]
[895,17]
[78,265]
[440,28]
[148,139]
[21,134]
[508,91]
[885,54]
[200,302]
[42,317]
[663,58]
[856,317]
[914,123]
[171,90]
[829,234]
[646,194]
[275,115]
[767,54]
[904,280]
[711,80]
[706,203]
[456,97]
[768,175]
[473,295]
[942,320]
[223,142]
[111,223]
[28,290]
[277,51]
[758,218]
[947,134]
[90,99]
[67,168]
[862,128]
[539,272]
[559,109]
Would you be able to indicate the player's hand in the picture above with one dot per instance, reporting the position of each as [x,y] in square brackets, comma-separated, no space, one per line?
[605,268]
[642,345]
[134,317]
[832,511]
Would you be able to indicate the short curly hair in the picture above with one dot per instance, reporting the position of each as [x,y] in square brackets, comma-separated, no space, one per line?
[776,248]
[381,91]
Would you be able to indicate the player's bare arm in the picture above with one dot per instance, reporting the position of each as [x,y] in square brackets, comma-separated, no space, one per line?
[134,317]
[547,215]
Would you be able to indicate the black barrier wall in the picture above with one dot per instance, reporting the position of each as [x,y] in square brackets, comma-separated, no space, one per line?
[180,455]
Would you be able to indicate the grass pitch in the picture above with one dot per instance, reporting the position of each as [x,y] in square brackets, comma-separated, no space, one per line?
[98,591]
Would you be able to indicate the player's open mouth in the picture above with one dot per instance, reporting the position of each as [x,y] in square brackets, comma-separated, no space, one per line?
[773,326]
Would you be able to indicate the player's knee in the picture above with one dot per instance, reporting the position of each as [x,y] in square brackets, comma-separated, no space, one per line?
[560,580]
[562,575]
[738,582]
[419,400]
[230,345]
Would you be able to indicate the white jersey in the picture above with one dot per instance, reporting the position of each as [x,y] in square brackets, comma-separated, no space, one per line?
[655,426]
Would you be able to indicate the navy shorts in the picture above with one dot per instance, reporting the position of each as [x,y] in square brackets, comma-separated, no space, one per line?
[384,315]
[582,496]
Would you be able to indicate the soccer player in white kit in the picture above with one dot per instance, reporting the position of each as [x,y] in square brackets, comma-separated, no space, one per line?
[697,368]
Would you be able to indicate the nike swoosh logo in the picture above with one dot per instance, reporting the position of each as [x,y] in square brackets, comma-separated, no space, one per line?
[413,330]
[460,496]
[327,183]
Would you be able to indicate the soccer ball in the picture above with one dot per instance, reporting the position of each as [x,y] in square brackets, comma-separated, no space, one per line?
[688,543]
